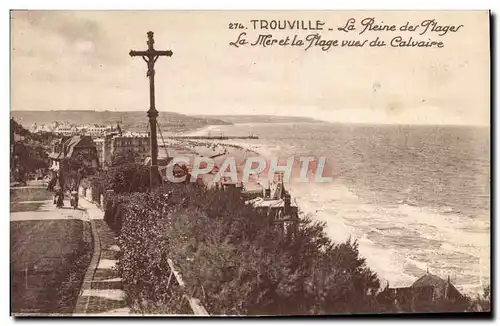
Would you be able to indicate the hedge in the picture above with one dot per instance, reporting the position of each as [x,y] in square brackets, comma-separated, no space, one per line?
[141,263]
[233,258]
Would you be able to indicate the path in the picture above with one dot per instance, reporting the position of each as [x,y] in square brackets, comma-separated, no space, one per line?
[102,292]
[48,250]
[62,260]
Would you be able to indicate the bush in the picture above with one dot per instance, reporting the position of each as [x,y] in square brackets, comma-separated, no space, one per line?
[126,178]
[124,157]
[142,261]
[232,257]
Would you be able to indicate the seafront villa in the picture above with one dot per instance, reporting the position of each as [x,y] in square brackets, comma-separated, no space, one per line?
[423,294]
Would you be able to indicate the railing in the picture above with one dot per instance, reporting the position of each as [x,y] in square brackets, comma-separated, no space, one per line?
[194,303]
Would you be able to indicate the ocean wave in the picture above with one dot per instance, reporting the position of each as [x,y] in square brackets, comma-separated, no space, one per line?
[400,237]
[387,235]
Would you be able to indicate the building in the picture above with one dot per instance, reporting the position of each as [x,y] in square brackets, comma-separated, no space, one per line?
[276,201]
[112,144]
[103,151]
[38,128]
[68,147]
[428,293]
[66,130]
[93,130]
[137,144]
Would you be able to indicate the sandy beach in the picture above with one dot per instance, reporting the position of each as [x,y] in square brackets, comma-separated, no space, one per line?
[396,225]
[217,150]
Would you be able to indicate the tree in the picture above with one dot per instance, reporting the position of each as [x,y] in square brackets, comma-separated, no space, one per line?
[76,168]
[29,153]
[481,302]
[123,156]
[28,158]
[233,258]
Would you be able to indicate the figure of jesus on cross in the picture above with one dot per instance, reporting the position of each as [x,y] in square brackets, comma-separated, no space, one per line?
[150,56]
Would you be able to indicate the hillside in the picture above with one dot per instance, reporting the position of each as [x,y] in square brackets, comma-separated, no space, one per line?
[258,119]
[20,133]
[129,120]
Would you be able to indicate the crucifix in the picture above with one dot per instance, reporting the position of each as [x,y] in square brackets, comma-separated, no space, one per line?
[150,56]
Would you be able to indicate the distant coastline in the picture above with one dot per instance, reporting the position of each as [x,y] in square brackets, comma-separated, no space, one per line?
[169,122]
[259,118]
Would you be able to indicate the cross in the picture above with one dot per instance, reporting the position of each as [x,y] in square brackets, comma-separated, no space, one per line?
[150,56]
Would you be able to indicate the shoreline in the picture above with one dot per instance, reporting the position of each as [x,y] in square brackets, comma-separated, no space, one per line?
[399,270]
[201,131]
[402,275]
[305,212]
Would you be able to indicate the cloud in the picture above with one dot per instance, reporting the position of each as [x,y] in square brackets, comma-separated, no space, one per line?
[84,55]
[65,24]
[74,35]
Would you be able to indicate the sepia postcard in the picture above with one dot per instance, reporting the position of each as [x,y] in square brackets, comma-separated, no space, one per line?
[250,163]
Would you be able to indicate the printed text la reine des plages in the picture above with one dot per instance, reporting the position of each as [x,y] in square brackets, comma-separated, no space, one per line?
[428,33]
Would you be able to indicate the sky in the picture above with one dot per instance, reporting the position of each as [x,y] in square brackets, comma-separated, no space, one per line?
[78,60]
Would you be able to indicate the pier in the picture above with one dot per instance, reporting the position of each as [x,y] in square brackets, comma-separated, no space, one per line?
[214,137]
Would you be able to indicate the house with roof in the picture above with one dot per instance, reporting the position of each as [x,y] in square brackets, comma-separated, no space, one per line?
[429,293]
[68,147]
[276,202]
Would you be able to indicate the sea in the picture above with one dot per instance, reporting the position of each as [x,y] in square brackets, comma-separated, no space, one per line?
[416,198]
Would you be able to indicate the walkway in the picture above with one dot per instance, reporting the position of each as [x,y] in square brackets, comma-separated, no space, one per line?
[50,254]
[50,250]
[102,292]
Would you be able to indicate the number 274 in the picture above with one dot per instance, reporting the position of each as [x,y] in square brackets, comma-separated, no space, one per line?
[236,26]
